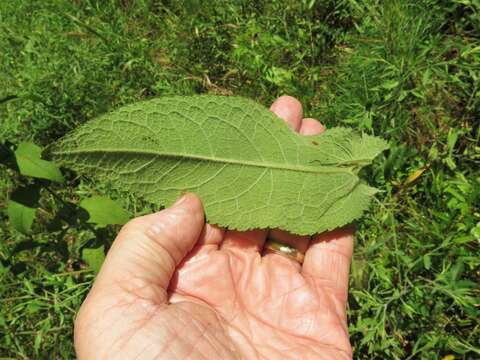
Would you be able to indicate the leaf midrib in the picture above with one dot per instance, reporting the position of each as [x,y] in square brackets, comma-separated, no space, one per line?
[288,167]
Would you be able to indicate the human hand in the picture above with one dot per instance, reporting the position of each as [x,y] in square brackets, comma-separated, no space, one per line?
[173,287]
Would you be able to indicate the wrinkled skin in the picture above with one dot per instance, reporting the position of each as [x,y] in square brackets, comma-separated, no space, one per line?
[173,287]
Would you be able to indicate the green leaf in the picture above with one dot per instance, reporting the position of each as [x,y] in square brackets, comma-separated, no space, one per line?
[427,262]
[30,163]
[22,206]
[247,166]
[475,231]
[390,84]
[94,257]
[471,51]
[21,216]
[104,211]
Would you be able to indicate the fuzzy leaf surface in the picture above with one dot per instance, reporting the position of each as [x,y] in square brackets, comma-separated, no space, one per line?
[247,166]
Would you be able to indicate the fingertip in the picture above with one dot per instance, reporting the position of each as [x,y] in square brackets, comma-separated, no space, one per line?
[339,240]
[189,199]
[289,109]
[311,126]
[189,202]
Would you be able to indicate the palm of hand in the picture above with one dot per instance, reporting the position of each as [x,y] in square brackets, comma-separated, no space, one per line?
[225,300]
[228,303]
[263,307]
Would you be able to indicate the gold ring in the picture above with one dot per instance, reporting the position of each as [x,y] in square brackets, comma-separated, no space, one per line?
[276,247]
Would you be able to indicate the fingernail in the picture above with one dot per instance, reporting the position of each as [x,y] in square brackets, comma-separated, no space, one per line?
[180,201]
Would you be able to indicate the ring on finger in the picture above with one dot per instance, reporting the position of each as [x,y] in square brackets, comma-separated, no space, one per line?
[273,246]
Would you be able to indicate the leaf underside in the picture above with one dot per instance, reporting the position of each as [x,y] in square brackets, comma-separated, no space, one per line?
[248,167]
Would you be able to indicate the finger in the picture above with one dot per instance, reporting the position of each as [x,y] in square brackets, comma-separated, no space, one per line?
[296,241]
[146,252]
[311,126]
[209,240]
[210,237]
[327,260]
[244,241]
[290,110]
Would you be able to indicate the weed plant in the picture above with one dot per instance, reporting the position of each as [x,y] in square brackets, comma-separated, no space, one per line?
[406,70]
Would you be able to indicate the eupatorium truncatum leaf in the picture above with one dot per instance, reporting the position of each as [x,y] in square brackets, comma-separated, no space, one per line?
[248,167]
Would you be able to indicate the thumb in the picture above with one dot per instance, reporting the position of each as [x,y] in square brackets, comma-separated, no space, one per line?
[147,250]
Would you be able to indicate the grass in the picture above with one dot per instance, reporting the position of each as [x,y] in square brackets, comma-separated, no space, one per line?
[406,70]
